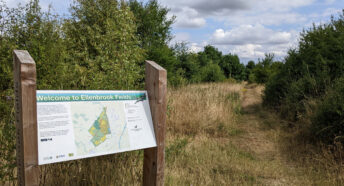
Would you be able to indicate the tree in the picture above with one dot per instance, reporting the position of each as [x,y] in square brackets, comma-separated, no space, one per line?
[211,73]
[232,67]
[154,32]
[153,25]
[263,71]
[103,46]
[210,55]
[187,61]
[249,68]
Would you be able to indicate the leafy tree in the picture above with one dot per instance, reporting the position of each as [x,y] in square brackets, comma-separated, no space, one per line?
[154,32]
[209,55]
[153,25]
[211,73]
[232,67]
[102,45]
[264,70]
[187,61]
[249,68]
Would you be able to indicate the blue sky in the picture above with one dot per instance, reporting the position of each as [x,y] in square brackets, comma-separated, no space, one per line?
[249,28]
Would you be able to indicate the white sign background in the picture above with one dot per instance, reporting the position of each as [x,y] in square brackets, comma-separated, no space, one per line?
[80,124]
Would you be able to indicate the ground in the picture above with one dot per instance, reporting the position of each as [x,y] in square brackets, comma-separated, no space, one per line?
[217,134]
[251,147]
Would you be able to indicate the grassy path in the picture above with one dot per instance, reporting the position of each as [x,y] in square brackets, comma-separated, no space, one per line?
[277,162]
[260,138]
[219,134]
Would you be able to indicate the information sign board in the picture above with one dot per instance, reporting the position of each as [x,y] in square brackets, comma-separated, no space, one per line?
[80,124]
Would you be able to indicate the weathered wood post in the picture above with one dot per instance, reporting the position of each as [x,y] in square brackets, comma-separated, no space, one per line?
[26,118]
[154,158]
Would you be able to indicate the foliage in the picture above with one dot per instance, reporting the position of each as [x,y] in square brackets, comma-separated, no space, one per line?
[232,67]
[188,62]
[249,68]
[310,73]
[102,45]
[30,29]
[328,121]
[95,48]
[153,25]
[209,55]
[154,32]
[211,73]
[208,65]
[264,70]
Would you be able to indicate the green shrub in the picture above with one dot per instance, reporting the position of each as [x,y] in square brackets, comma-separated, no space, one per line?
[308,70]
[212,73]
[308,75]
[275,90]
[328,122]
[264,70]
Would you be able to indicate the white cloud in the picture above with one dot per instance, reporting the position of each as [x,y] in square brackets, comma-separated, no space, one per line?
[249,34]
[208,7]
[264,18]
[193,14]
[180,37]
[253,24]
[248,51]
[280,5]
[195,47]
[189,18]
[253,41]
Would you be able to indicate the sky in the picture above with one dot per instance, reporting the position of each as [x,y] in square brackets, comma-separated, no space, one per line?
[248,28]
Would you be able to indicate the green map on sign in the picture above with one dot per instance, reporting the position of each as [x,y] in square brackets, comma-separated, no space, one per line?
[100,128]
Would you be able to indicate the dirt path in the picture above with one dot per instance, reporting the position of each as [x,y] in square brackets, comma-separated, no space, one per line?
[256,139]
[260,138]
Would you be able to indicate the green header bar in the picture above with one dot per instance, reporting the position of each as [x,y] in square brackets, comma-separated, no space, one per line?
[68,97]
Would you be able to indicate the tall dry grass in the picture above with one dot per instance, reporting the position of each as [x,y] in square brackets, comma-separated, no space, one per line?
[203,108]
[202,119]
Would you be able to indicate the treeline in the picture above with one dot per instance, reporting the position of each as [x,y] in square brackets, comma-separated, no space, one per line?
[309,86]
[210,65]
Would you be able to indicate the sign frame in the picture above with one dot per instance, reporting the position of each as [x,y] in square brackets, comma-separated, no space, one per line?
[26,120]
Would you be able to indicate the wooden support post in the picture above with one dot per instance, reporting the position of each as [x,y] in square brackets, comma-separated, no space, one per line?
[26,118]
[154,158]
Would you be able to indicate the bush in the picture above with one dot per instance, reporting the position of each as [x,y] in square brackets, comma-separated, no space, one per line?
[212,73]
[264,70]
[313,73]
[328,122]
[275,89]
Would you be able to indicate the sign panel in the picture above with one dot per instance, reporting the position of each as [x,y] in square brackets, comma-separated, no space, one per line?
[80,124]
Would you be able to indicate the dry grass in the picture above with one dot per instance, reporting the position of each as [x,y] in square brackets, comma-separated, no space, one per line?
[218,134]
[213,141]
[203,108]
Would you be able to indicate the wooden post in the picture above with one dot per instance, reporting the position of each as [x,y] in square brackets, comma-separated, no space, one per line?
[26,118]
[154,158]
